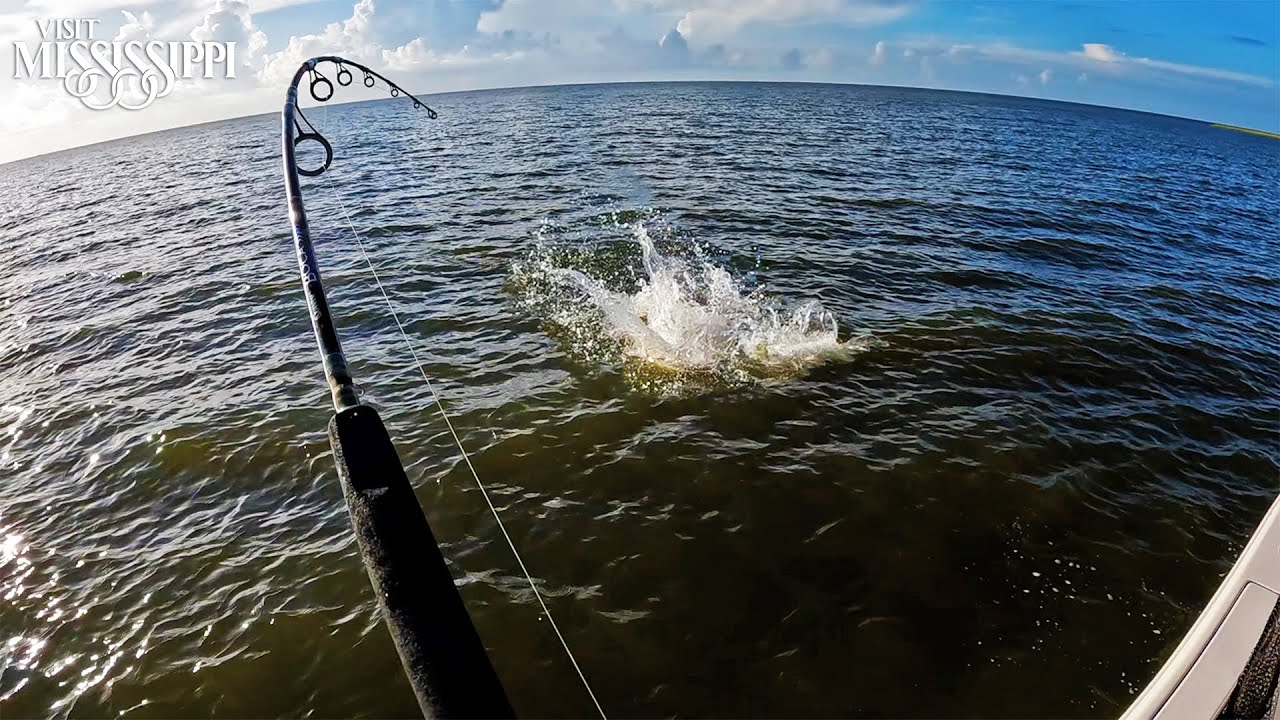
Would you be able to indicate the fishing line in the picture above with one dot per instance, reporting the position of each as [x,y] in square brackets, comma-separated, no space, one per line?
[461,450]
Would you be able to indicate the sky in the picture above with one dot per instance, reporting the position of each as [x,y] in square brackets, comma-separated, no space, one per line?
[1216,60]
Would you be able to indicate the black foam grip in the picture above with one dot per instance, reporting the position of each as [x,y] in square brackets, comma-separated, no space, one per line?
[442,654]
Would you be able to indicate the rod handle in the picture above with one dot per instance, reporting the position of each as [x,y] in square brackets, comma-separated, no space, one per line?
[442,654]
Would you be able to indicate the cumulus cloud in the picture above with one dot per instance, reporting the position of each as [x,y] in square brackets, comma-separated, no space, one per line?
[409,56]
[675,50]
[79,8]
[364,37]
[355,37]
[1101,53]
[135,27]
[453,45]
[702,22]
[232,21]
[877,55]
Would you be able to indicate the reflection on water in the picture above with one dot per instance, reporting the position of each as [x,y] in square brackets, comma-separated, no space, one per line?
[798,400]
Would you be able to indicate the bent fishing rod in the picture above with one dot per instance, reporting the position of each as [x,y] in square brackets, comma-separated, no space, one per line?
[442,654]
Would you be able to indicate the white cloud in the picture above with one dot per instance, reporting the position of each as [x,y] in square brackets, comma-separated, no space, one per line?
[820,59]
[1101,53]
[265,6]
[720,18]
[135,27]
[1108,58]
[1091,57]
[1094,63]
[707,21]
[33,105]
[354,37]
[581,19]
[81,8]
[675,49]
[877,56]
[232,21]
[415,56]
[410,56]
[362,38]
[443,45]
[1206,73]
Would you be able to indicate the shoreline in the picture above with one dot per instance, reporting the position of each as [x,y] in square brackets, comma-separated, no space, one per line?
[1251,131]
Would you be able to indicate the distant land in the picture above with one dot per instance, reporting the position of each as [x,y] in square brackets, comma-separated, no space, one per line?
[1251,131]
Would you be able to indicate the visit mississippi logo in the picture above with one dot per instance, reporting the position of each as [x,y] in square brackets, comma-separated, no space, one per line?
[105,74]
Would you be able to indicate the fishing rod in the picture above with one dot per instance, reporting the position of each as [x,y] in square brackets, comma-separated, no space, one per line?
[443,657]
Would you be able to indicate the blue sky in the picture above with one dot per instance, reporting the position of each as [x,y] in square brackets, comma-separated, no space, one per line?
[1216,60]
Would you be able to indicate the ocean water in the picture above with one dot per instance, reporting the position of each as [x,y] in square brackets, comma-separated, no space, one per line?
[798,400]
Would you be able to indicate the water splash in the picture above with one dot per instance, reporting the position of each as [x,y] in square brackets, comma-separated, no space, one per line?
[673,318]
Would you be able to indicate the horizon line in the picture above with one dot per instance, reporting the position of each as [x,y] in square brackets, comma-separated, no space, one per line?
[587,83]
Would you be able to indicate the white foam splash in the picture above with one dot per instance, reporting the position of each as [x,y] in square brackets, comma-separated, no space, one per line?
[683,315]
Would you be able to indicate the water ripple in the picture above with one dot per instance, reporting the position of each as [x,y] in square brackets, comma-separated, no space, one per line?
[1014,502]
